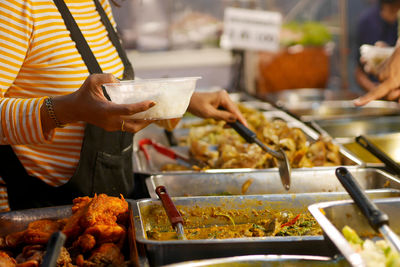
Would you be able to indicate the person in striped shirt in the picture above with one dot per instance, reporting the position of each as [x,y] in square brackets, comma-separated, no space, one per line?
[39,60]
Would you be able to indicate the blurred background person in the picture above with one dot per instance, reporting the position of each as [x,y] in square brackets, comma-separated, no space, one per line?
[377,25]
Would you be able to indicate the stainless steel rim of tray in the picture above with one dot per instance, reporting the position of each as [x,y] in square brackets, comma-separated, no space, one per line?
[327,224]
[14,221]
[266,182]
[338,109]
[260,260]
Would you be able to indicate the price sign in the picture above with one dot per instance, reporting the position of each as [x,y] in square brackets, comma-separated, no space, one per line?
[251,29]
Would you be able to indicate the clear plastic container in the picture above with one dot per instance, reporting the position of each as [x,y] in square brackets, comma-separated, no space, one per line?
[172,96]
[373,56]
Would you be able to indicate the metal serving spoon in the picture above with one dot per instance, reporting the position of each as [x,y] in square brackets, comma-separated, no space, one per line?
[280,155]
[173,214]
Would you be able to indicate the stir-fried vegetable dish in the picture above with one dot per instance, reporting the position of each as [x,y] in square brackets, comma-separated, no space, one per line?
[222,148]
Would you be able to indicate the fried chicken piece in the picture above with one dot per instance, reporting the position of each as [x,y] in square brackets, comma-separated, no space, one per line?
[108,254]
[3,244]
[14,239]
[96,220]
[85,242]
[73,228]
[104,210]
[31,256]
[30,263]
[6,260]
[38,232]
[80,203]
[106,233]
[64,260]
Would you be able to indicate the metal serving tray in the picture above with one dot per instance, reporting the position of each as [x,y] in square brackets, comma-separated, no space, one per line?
[352,127]
[266,182]
[166,252]
[266,261]
[141,165]
[388,143]
[333,216]
[338,109]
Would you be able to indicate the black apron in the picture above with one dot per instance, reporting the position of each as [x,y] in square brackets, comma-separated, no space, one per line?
[105,164]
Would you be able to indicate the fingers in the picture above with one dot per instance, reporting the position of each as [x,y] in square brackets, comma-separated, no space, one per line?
[102,78]
[217,105]
[382,90]
[95,81]
[134,126]
[393,95]
[381,44]
[231,107]
[221,115]
[126,125]
[91,89]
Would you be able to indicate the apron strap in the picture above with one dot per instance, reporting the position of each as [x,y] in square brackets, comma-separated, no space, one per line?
[83,47]
[114,38]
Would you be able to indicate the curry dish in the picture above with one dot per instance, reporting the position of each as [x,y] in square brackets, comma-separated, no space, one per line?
[222,148]
[221,223]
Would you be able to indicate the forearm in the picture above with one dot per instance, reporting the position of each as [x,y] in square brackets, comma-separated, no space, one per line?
[64,111]
[27,121]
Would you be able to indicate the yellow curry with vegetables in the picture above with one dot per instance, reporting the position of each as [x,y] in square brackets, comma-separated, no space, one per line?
[221,223]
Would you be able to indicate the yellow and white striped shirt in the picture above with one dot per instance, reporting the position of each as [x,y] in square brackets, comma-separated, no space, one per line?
[39,59]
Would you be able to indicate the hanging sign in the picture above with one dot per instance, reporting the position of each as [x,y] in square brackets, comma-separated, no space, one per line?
[251,29]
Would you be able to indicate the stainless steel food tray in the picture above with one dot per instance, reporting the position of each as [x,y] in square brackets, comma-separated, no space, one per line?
[338,109]
[165,252]
[352,127]
[266,261]
[267,182]
[388,143]
[333,216]
[157,134]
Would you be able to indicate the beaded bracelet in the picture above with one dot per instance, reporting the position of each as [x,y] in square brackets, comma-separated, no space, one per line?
[50,109]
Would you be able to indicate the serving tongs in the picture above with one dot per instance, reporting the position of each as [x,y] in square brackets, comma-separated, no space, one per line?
[377,152]
[173,214]
[283,161]
[178,157]
[53,249]
[376,218]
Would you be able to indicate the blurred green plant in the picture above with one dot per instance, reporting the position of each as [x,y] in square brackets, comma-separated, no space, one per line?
[310,33]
